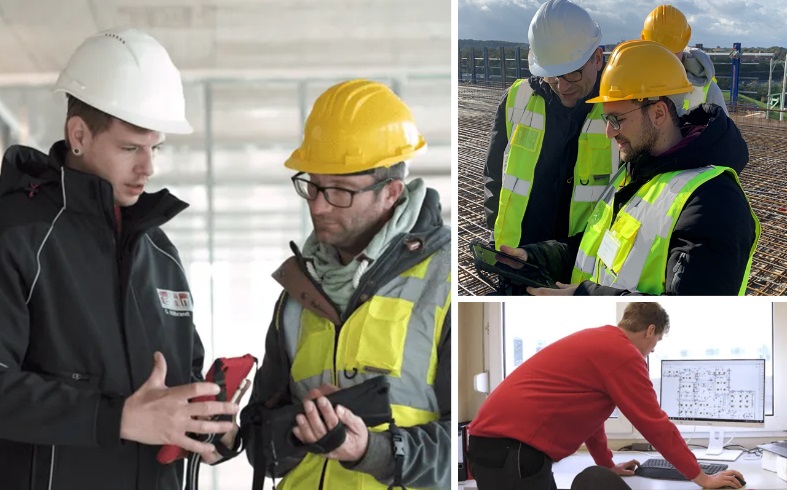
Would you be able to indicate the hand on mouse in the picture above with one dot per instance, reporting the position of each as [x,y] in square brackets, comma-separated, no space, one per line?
[722,479]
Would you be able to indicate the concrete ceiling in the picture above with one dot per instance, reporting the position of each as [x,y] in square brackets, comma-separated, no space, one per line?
[255,67]
[306,38]
[283,54]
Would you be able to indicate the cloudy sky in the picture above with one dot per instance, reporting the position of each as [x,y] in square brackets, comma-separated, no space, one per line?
[713,22]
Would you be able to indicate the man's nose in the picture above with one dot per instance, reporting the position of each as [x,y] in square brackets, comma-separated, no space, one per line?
[145,163]
[563,85]
[609,130]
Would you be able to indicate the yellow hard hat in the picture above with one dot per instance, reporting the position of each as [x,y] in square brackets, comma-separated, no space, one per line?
[641,69]
[667,25]
[355,126]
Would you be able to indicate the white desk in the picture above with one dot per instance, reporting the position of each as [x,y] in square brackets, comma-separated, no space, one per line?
[567,469]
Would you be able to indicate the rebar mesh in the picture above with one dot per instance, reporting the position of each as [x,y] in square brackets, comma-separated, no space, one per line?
[764,180]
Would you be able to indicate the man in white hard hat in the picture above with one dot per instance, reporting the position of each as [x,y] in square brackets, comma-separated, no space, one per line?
[99,355]
[548,159]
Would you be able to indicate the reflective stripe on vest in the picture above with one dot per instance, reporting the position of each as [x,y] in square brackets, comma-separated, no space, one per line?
[396,332]
[632,252]
[697,96]
[597,160]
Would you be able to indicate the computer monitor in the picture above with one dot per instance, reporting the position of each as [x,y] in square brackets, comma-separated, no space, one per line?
[715,393]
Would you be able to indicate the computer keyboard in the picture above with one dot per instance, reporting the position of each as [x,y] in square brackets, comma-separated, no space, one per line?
[663,470]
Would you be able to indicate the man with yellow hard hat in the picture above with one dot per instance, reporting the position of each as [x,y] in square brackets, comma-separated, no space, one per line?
[675,219]
[668,26]
[368,294]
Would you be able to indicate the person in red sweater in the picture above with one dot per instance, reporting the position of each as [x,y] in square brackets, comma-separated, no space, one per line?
[559,398]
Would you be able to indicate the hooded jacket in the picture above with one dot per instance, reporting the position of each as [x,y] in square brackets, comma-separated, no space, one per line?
[547,214]
[713,236]
[82,311]
[700,72]
[427,446]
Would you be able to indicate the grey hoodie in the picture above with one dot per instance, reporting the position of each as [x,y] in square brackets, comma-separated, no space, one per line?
[700,71]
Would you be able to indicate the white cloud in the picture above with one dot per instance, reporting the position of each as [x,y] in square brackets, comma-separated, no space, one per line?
[713,22]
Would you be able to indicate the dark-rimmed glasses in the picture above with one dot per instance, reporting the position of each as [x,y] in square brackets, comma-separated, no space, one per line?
[615,121]
[335,196]
[572,76]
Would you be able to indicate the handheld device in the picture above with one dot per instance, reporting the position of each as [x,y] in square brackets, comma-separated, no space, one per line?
[228,373]
[512,268]
[368,400]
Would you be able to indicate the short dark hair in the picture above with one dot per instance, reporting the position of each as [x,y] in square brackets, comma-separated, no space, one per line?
[396,171]
[638,316]
[673,111]
[97,121]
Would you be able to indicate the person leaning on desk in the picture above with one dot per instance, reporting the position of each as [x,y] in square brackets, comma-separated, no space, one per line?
[548,406]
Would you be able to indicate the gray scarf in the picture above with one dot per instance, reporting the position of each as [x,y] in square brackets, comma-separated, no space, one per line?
[340,281]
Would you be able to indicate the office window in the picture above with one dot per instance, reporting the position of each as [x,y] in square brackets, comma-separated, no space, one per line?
[529,326]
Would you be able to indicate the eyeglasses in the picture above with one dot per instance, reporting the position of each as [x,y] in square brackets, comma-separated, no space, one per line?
[615,121]
[573,76]
[336,196]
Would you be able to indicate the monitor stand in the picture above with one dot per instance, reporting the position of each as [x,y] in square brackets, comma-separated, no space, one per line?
[716,451]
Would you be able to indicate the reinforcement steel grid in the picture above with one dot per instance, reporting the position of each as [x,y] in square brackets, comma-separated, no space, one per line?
[764,179]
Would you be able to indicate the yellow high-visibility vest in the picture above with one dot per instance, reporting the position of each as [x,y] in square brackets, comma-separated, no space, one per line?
[631,252]
[396,333]
[597,161]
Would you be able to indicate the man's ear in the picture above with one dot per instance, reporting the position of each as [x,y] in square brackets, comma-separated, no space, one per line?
[395,189]
[659,113]
[651,331]
[77,132]
[598,58]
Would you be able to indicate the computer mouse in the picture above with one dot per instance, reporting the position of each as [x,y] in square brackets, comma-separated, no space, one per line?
[740,480]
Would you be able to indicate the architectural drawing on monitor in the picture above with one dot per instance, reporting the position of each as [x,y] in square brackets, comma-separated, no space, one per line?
[709,392]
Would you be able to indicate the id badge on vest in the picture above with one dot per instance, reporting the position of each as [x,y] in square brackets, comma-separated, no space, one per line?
[608,249]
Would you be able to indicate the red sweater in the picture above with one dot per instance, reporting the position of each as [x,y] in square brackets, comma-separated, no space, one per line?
[560,398]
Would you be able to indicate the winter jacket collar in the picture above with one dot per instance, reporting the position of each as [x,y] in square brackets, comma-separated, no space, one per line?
[427,236]
[710,138]
[30,171]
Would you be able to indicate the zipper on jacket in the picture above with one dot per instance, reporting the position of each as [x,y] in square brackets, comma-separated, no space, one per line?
[322,475]
[118,242]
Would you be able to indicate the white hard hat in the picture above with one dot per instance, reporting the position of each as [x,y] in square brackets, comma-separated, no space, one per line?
[562,37]
[129,75]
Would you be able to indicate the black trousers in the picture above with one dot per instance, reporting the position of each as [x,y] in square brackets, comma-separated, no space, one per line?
[507,464]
